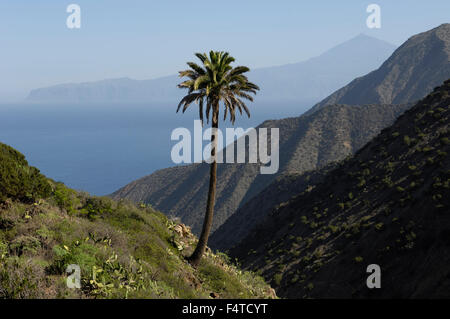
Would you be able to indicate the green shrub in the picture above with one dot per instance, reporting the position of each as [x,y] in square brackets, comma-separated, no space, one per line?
[219,280]
[65,197]
[18,180]
[3,250]
[358,259]
[25,244]
[445,141]
[97,206]
[79,253]
[334,229]
[277,279]
[387,181]
[407,140]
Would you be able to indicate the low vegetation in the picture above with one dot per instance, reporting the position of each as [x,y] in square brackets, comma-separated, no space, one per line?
[123,250]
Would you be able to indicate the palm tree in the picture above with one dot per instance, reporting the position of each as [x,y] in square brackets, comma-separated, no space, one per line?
[213,82]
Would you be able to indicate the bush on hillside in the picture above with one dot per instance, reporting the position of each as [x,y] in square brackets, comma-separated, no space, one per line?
[18,180]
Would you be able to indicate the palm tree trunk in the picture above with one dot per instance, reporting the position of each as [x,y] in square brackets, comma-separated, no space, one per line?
[195,258]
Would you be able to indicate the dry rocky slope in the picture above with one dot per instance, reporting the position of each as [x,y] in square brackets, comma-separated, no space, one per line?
[307,142]
[388,205]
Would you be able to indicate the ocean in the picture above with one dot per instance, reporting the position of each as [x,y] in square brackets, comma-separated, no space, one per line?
[100,148]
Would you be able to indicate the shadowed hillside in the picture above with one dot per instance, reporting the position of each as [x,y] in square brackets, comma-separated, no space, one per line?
[252,213]
[387,205]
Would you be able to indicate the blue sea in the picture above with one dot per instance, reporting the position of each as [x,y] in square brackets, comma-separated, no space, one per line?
[100,148]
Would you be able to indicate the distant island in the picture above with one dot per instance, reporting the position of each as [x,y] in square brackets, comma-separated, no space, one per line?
[308,81]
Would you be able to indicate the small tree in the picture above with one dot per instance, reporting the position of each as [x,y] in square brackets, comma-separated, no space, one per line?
[213,82]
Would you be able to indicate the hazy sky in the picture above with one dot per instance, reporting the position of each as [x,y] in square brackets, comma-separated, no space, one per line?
[146,39]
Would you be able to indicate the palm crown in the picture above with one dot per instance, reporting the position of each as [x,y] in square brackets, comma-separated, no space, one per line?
[216,80]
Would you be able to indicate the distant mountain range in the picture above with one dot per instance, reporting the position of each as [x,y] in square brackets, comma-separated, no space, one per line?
[308,81]
[388,205]
[414,69]
[307,142]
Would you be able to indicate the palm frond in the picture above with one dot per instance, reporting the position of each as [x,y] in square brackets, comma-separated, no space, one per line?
[238,70]
[187,100]
[200,82]
[215,80]
[201,56]
[197,68]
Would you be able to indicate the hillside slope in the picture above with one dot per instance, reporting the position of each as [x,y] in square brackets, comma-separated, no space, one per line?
[123,251]
[387,205]
[306,143]
[253,212]
[412,71]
